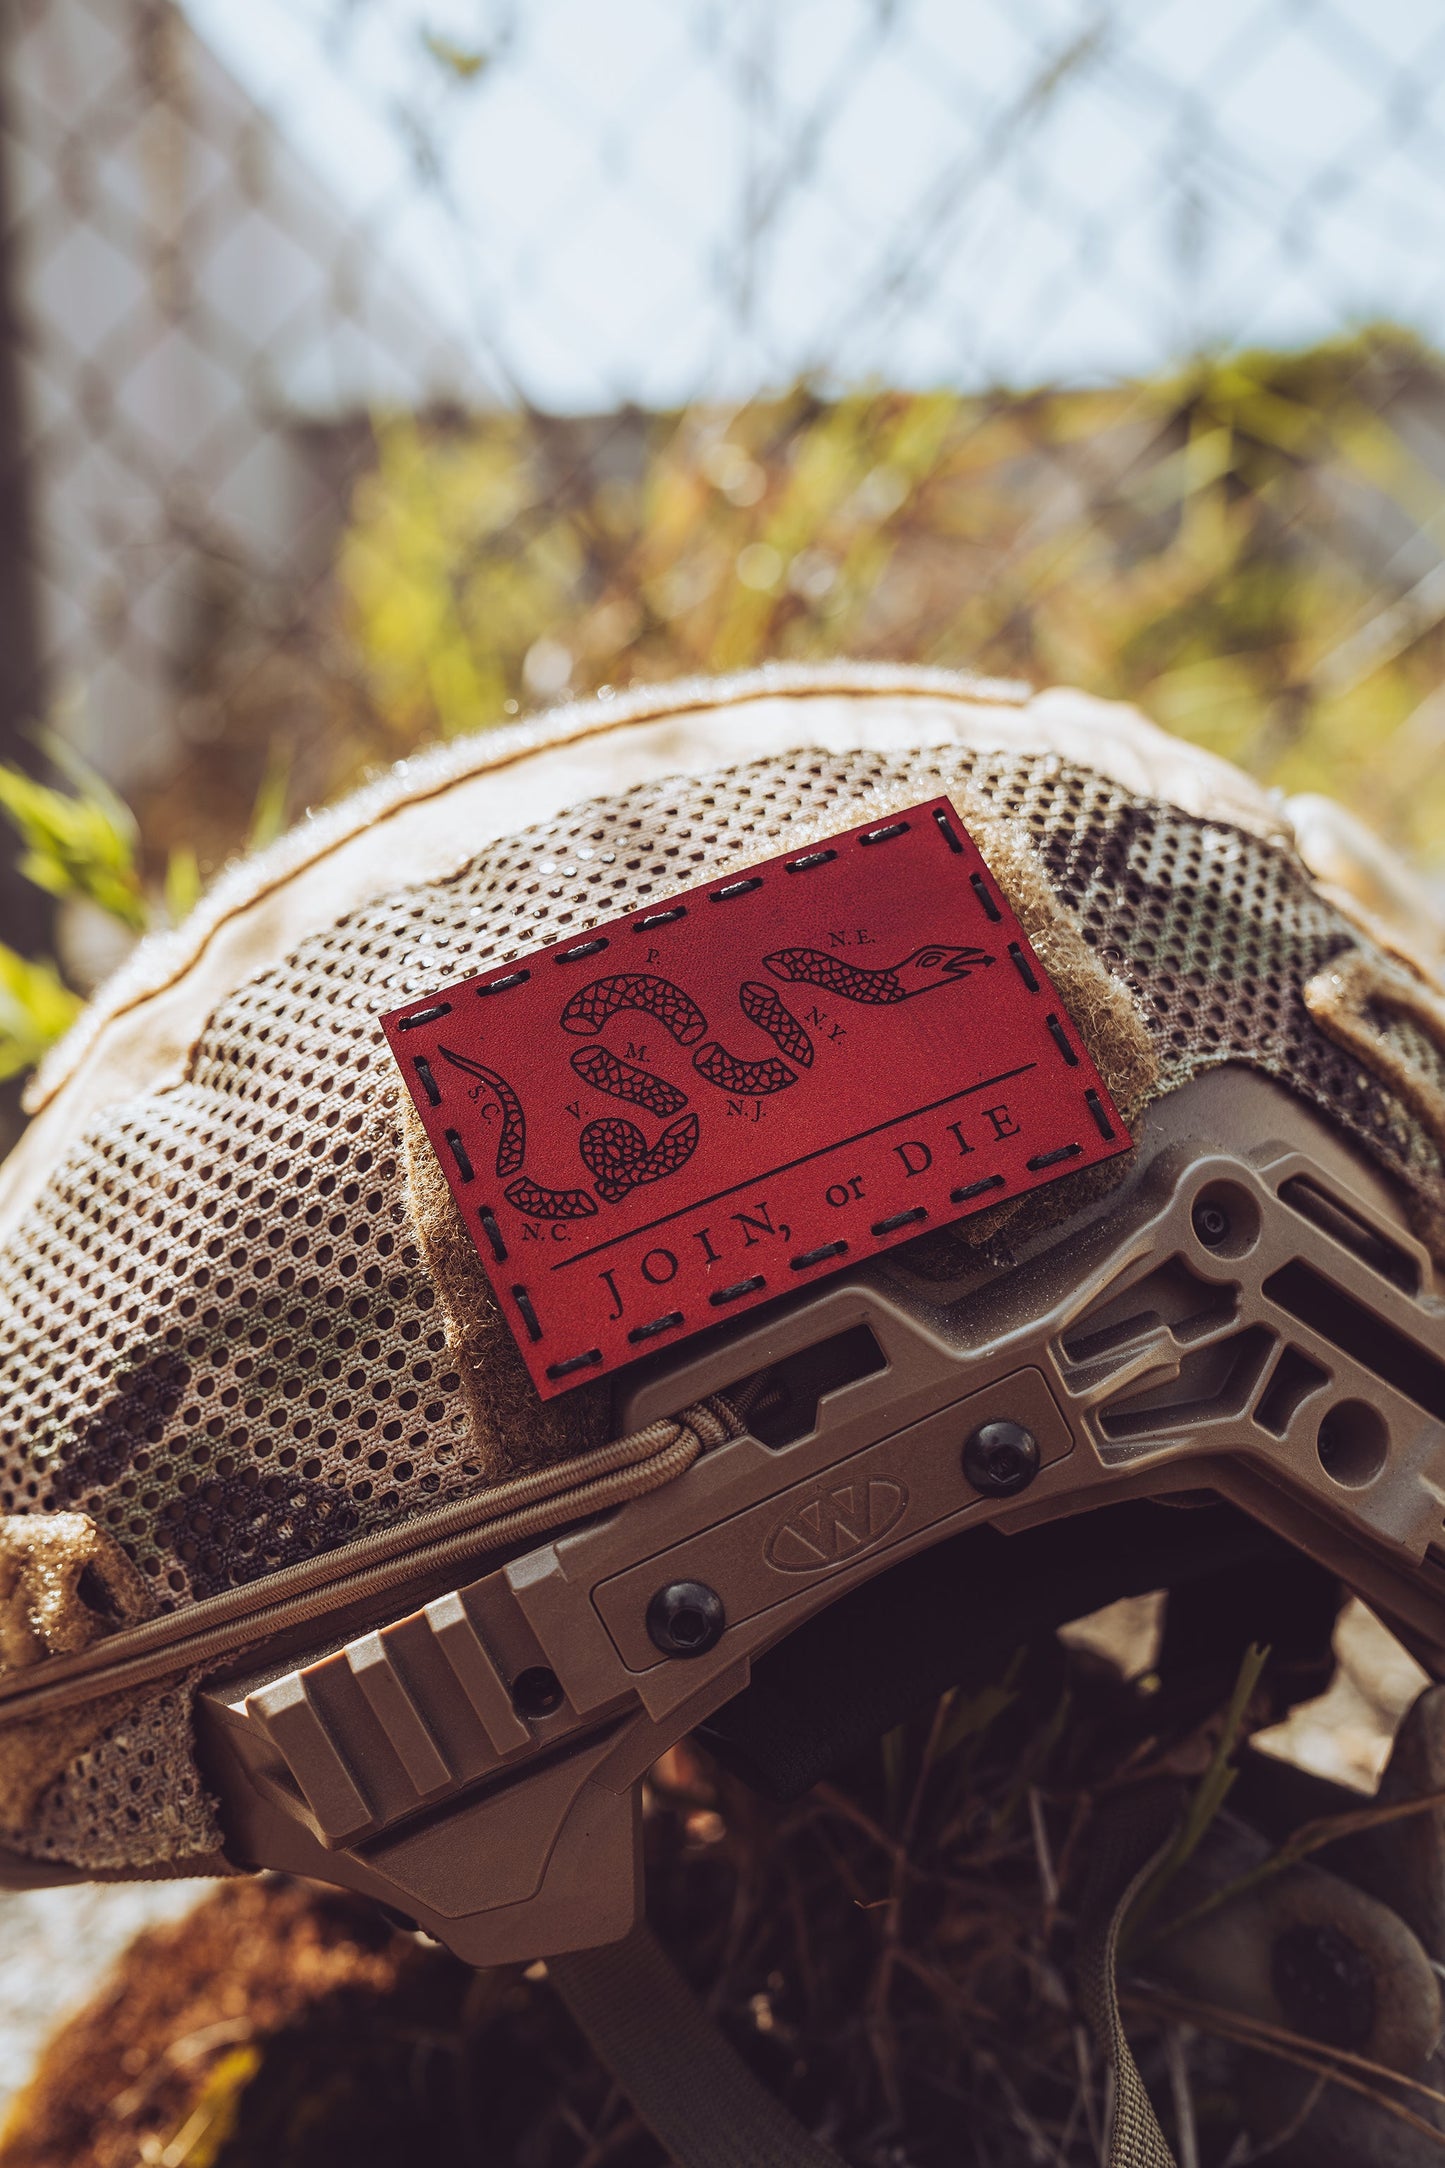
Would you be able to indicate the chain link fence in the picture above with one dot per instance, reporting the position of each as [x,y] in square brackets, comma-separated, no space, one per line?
[380,368]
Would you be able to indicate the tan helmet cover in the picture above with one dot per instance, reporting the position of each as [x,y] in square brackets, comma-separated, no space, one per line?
[240,1324]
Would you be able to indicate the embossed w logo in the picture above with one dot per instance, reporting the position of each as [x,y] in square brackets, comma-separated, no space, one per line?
[836,1525]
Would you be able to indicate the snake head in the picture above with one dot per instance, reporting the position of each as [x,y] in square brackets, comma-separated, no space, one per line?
[938,964]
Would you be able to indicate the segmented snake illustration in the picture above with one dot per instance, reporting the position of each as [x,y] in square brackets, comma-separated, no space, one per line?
[676,1011]
[620,1160]
[624,1080]
[615,1151]
[512,1144]
[750,1079]
[919,973]
[554,1204]
[762,1007]
[528,1196]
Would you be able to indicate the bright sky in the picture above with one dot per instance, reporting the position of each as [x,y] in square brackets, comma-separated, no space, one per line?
[657,199]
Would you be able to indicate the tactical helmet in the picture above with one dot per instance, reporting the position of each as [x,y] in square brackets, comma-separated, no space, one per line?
[342,1536]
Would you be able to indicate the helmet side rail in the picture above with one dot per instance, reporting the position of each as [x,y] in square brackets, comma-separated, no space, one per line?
[1244,1321]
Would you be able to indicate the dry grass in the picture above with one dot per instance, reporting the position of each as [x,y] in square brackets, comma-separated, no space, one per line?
[892,1953]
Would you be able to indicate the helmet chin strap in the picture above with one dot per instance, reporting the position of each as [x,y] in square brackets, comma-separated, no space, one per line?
[700,2100]
[689,2085]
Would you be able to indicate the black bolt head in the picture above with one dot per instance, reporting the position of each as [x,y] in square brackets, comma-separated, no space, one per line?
[686,1618]
[1211,1223]
[536,1691]
[1001,1458]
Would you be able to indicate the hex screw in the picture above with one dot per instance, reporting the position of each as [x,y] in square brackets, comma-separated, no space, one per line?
[686,1618]
[1001,1458]
[1211,1223]
[537,1691]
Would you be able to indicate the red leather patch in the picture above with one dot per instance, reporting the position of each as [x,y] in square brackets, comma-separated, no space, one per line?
[656,1125]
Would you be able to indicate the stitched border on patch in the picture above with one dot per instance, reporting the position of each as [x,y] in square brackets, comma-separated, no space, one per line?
[659,1124]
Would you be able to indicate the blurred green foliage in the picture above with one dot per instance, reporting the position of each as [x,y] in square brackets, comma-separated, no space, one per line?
[1223,546]
[1249,548]
[35,1008]
[79,843]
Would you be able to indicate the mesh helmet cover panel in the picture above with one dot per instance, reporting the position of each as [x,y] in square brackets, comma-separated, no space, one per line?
[218,1335]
